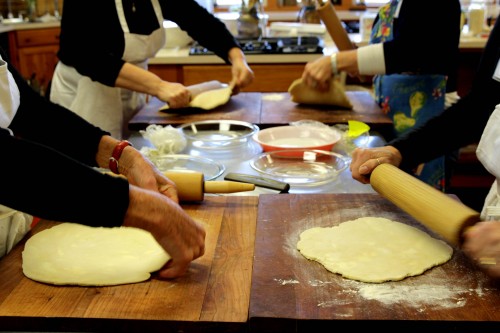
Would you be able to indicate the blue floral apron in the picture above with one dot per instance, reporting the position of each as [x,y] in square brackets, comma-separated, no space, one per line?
[409,99]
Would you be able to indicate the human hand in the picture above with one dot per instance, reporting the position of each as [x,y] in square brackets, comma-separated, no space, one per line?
[175,94]
[242,74]
[182,237]
[364,160]
[317,74]
[482,244]
[141,172]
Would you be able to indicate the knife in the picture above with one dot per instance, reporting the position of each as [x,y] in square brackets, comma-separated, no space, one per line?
[259,181]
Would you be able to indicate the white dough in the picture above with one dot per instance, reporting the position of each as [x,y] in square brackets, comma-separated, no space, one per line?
[209,99]
[373,249]
[75,254]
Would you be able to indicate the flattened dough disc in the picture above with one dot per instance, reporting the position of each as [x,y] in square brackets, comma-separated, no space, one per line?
[373,249]
[301,93]
[74,254]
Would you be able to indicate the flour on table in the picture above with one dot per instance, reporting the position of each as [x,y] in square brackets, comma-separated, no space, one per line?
[373,249]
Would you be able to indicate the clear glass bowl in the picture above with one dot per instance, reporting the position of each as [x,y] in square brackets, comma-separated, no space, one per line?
[186,163]
[218,134]
[301,167]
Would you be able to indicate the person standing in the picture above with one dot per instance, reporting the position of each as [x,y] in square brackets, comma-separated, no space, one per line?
[104,51]
[49,159]
[413,51]
[474,118]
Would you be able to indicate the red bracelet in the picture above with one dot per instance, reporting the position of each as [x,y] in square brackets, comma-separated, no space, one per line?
[117,153]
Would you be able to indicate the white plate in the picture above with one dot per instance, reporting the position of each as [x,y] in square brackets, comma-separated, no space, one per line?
[186,163]
[218,134]
[300,167]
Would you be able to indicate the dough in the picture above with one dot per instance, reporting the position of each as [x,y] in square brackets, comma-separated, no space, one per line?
[373,249]
[75,254]
[301,93]
[209,100]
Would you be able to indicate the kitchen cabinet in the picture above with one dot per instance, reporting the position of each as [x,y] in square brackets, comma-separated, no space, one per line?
[34,53]
[268,77]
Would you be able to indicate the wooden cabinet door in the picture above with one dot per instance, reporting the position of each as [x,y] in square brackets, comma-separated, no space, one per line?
[268,77]
[37,65]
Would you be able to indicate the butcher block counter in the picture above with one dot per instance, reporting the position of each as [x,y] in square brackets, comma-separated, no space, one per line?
[293,294]
[213,296]
[252,279]
[267,110]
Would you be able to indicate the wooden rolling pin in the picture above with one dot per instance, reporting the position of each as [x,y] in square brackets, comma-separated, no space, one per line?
[329,17]
[191,186]
[434,209]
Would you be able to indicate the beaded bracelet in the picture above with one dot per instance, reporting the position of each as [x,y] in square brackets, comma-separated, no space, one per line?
[117,153]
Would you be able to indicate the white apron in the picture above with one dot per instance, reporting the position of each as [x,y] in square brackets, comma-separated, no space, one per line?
[13,224]
[109,108]
[487,154]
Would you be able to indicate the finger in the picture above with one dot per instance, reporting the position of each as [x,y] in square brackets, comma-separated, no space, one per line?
[173,269]
[169,191]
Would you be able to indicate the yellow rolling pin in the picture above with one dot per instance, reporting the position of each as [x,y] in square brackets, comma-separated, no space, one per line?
[191,186]
[439,212]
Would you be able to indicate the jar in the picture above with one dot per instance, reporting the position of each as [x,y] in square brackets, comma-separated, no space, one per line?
[476,18]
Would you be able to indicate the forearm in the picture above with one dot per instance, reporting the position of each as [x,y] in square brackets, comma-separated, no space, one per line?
[138,79]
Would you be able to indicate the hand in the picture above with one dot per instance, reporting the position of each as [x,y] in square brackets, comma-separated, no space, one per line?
[482,244]
[182,237]
[364,160]
[175,94]
[242,75]
[143,173]
[318,73]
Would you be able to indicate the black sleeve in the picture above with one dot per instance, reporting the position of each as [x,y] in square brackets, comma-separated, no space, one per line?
[425,39]
[92,40]
[46,165]
[462,123]
[201,25]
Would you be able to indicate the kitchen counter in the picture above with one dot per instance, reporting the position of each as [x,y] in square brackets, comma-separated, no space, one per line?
[213,296]
[252,279]
[180,56]
[267,110]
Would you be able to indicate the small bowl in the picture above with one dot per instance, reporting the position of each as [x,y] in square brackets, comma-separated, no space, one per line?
[297,137]
[186,163]
[218,134]
[301,167]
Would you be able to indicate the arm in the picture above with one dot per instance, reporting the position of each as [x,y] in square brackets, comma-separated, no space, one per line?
[457,126]
[408,51]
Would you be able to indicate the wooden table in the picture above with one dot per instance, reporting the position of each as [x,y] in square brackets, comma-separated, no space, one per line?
[293,294]
[213,296]
[270,109]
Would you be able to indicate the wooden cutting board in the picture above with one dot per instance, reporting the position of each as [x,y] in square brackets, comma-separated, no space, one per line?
[279,109]
[291,293]
[242,107]
[214,295]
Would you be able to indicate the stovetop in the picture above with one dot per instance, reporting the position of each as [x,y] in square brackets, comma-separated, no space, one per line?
[271,45]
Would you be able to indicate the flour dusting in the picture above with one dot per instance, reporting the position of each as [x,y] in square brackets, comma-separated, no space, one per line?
[284,282]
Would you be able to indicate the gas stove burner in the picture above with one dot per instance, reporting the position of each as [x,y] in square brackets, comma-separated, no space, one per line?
[271,45]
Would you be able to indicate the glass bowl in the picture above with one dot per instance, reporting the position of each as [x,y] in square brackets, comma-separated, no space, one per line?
[186,163]
[301,167]
[218,134]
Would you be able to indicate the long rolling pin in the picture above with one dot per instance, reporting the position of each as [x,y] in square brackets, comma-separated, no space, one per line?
[199,88]
[329,17]
[439,212]
[191,186]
